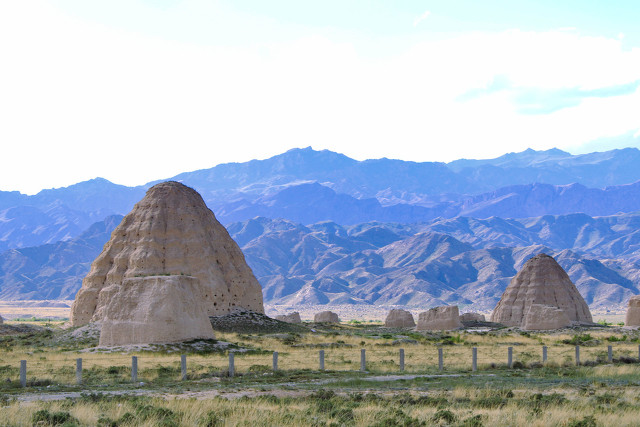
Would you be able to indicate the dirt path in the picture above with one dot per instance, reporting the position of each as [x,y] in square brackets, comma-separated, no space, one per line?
[279,390]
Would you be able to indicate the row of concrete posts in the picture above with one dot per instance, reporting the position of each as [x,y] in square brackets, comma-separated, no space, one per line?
[363,362]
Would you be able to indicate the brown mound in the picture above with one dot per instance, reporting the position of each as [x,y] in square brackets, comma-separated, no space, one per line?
[171,232]
[540,281]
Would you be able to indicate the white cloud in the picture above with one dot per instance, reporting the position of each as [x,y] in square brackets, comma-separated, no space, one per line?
[421,18]
[81,100]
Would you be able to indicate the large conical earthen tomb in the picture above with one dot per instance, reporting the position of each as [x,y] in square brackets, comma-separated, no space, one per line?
[541,290]
[172,237]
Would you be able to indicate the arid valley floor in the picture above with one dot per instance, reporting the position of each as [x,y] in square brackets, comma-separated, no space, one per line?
[600,391]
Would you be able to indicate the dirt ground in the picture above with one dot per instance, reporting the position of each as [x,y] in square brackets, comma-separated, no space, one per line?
[59,309]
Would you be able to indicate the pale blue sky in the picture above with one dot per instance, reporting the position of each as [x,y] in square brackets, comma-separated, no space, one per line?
[139,90]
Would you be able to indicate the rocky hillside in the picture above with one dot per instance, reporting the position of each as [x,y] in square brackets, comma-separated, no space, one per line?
[465,261]
[416,266]
[319,227]
[53,271]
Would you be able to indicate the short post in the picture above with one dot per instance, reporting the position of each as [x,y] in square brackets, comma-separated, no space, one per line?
[183,366]
[639,353]
[134,368]
[232,368]
[363,360]
[275,360]
[321,359]
[440,358]
[402,359]
[474,359]
[510,357]
[610,354]
[544,354]
[577,355]
[79,371]
[23,373]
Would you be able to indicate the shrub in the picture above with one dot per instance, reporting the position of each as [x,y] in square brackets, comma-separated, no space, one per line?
[323,394]
[211,420]
[106,422]
[578,339]
[587,421]
[399,418]
[44,417]
[145,412]
[472,421]
[259,369]
[444,415]
[491,402]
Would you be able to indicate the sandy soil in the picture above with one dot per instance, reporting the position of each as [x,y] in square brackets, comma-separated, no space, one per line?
[59,309]
[53,309]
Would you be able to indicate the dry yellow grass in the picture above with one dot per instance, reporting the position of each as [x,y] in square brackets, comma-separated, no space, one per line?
[606,392]
[342,353]
[342,410]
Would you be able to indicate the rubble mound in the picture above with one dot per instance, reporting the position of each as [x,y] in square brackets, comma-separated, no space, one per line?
[633,312]
[251,322]
[439,319]
[398,318]
[472,317]
[290,318]
[326,317]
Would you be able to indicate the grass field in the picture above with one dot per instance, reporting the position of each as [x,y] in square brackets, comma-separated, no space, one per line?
[553,393]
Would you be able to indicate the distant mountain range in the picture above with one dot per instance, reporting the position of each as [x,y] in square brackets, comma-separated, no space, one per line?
[464,261]
[309,186]
[319,227]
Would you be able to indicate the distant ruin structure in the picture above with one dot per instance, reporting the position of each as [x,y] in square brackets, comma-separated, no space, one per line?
[444,318]
[398,318]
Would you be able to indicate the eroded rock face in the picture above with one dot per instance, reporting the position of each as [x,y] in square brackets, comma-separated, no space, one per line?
[633,312]
[154,309]
[439,319]
[326,317]
[545,317]
[541,281]
[171,232]
[290,318]
[398,318]
[472,317]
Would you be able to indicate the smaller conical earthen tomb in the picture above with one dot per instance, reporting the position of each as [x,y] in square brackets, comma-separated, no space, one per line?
[167,267]
[541,296]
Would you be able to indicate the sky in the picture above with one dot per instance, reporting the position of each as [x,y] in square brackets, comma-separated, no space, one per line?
[140,90]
